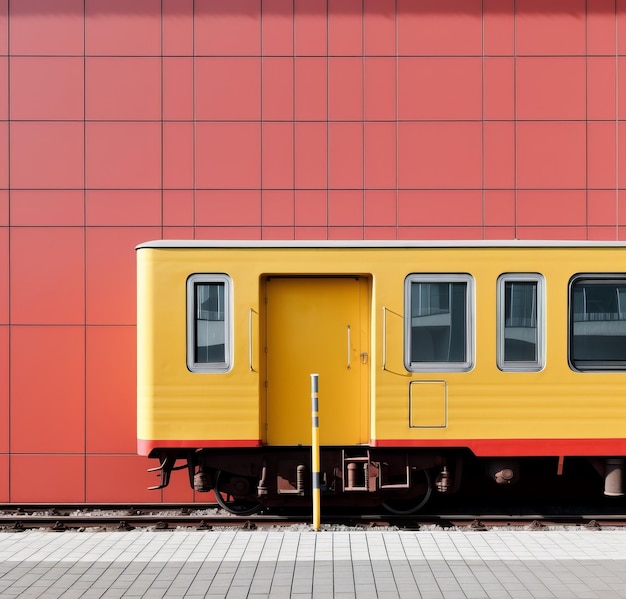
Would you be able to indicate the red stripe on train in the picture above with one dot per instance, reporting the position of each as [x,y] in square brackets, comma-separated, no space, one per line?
[519,447]
[480,447]
[145,447]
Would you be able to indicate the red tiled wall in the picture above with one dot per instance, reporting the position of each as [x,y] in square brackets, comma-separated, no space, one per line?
[128,120]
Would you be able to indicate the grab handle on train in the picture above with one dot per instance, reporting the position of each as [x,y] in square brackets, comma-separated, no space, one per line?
[349,349]
[252,311]
[384,337]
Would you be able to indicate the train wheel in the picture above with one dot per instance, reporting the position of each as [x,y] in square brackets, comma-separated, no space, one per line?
[235,504]
[402,505]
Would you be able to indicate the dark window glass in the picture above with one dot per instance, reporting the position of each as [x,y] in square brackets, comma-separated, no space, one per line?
[210,330]
[519,322]
[438,327]
[208,323]
[598,323]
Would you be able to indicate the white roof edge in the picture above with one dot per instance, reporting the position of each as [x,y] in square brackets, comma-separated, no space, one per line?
[203,243]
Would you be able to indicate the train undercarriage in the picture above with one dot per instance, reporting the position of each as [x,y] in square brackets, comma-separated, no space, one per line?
[245,481]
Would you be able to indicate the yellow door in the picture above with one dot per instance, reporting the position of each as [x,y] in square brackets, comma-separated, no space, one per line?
[317,325]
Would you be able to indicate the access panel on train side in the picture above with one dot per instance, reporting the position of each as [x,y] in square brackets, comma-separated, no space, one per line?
[317,325]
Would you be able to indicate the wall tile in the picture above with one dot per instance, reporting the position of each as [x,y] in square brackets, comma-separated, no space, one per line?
[282,233]
[228,208]
[132,479]
[311,155]
[554,28]
[601,27]
[439,155]
[47,410]
[345,155]
[120,28]
[551,155]
[440,27]
[178,27]
[277,89]
[228,155]
[124,155]
[499,88]
[223,232]
[120,89]
[345,27]
[4,401]
[311,89]
[110,399]
[380,208]
[311,209]
[499,155]
[277,28]
[551,208]
[47,276]
[380,90]
[178,77]
[60,478]
[440,88]
[178,155]
[601,149]
[603,208]
[228,89]
[310,27]
[47,155]
[601,88]
[439,208]
[550,88]
[499,27]
[230,28]
[123,207]
[552,233]
[47,208]
[277,208]
[379,155]
[178,208]
[110,264]
[379,27]
[278,155]
[4,26]
[37,30]
[341,233]
[499,208]
[59,80]
[345,89]
[345,209]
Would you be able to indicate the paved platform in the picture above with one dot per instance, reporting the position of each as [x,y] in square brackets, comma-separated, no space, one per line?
[497,564]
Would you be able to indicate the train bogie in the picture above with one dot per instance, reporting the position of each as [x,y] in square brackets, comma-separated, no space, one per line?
[429,357]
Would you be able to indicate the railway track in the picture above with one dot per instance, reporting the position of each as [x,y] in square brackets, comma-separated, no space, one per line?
[159,517]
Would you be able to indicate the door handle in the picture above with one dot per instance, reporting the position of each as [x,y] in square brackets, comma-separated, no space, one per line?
[349,349]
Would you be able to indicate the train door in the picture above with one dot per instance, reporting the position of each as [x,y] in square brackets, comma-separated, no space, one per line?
[317,325]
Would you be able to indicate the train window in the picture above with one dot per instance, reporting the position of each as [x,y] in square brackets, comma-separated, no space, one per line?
[438,322]
[520,322]
[208,323]
[597,322]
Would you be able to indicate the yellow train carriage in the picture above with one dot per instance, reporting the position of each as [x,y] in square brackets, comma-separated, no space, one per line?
[428,354]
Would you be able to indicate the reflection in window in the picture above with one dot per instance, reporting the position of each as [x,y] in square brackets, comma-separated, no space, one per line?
[207,326]
[520,322]
[598,323]
[438,331]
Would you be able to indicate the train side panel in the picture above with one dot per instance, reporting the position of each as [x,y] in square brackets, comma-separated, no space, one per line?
[555,410]
[176,407]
